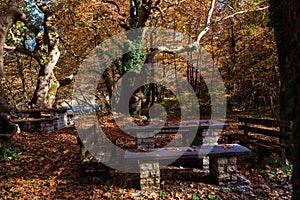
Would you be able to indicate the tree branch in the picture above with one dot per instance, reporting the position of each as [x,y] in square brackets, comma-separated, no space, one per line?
[28,53]
[173,4]
[241,12]
[178,50]
[159,10]
[10,48]
[196,44]
[208,21]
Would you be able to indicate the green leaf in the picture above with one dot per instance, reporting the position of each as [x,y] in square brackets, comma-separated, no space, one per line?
[162,194]
[195,197]
[212,197]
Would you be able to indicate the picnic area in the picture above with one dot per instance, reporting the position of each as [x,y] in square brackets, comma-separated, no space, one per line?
[48,165]
[149,99]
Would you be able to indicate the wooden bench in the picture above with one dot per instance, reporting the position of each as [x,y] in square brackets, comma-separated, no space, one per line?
[222,162]
[263,137]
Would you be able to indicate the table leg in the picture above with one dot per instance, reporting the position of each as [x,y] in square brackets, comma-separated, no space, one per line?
[149,175]
[223,169]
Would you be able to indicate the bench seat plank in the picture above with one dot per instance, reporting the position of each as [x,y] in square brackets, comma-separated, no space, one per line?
[189,152]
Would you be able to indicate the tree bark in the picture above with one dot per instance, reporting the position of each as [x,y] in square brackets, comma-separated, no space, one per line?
[6,21]
[291,27]
[286,21]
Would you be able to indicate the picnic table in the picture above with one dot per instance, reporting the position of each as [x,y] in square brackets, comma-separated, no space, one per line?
[194,132]
[199,143]
[216,160]
[43,120]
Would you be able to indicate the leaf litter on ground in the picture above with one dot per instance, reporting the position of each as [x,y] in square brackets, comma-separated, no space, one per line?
[48,167]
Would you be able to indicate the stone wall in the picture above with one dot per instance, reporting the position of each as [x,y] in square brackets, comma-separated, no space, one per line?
[44,126]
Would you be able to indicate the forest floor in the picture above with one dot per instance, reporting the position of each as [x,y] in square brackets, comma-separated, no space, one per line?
[47,166]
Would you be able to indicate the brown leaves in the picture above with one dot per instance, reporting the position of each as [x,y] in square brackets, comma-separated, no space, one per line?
[49,167]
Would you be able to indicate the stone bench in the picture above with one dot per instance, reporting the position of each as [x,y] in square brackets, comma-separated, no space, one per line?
[222,162]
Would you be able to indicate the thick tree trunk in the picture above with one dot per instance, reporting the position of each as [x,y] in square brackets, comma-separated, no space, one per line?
[286,21]
[6,21]
[291,30]
[47,85]
[7,129]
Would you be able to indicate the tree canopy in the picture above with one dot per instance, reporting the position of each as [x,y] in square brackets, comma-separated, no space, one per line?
[43,53]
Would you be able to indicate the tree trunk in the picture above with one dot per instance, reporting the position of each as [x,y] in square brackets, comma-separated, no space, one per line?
[47,85]
[7,129]
[6,21]
[286,21]
[132,61]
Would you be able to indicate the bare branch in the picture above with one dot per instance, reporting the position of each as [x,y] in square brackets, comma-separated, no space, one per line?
[208,21]
[196,44]
[190,47]
[159,10]
[242,12]
[164,49]
[29,53]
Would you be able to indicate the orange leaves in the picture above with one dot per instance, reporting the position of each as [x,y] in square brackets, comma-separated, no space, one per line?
[49,168]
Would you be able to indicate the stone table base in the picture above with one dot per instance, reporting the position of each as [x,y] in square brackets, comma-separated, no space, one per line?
[149,175]
[223,169]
